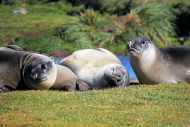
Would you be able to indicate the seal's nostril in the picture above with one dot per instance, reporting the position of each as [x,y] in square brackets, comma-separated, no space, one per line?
[43,66]
[129,44]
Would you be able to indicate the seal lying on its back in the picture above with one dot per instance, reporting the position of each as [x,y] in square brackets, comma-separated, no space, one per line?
[98,68]
[24,71]
[159,65]
[66,80]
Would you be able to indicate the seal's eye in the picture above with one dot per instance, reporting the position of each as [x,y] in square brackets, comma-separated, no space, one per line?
[143,43]
[43,66]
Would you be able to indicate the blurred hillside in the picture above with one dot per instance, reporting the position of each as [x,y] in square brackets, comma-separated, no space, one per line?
[77,24]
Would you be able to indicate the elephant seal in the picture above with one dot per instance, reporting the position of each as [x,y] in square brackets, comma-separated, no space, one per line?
[21,70]
[66,80]
[98,68]
[153,65]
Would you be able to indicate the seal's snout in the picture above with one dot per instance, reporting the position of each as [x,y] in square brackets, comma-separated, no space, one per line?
[137,45]
[129,45]
[40,71]
[132,46]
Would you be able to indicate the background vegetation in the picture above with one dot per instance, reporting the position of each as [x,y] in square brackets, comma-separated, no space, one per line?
[142,105]
[77,24]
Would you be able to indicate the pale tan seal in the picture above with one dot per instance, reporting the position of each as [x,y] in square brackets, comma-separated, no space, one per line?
[98,68]
[66,80]
[158,65]
[21,70]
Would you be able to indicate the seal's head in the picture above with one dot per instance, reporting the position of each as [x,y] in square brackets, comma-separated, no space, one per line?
[141,48]
[117,76]
[40,72]
[137,46]
[143,56]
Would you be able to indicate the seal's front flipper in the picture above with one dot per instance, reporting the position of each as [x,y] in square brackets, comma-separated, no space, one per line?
[5,88]
[81,86]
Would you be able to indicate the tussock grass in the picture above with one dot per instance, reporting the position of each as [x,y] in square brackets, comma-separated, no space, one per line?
[138,105]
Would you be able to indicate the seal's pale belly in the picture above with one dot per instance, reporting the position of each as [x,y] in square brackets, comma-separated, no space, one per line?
[98,68]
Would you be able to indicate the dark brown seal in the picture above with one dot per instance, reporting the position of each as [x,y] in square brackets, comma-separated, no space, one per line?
[21,70]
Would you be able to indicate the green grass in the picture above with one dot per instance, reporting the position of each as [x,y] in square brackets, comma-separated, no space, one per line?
[40,18]
[33,30]
[138,105]
[36,14]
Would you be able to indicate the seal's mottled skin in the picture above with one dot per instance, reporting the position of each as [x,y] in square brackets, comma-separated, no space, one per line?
[98,68]
[66,80]
[21,70]
[154,65]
